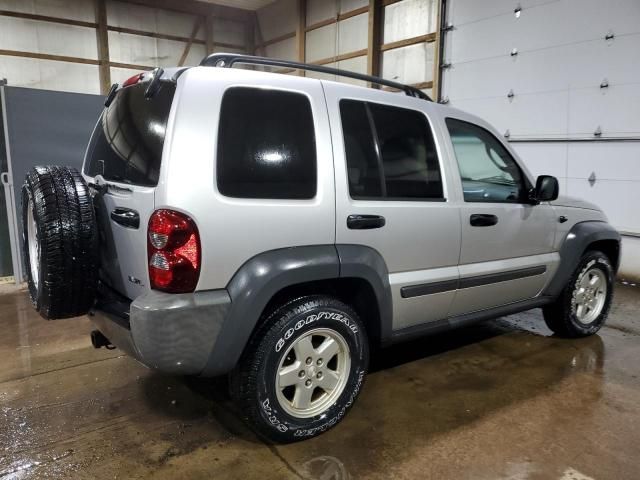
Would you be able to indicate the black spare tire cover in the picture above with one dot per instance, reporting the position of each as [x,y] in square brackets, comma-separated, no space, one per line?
[60,242]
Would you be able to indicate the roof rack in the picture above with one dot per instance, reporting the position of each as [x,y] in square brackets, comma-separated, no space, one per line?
[227,60]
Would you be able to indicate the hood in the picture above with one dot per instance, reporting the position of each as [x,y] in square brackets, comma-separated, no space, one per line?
[566,201]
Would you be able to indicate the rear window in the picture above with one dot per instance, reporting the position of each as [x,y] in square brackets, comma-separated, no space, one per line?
[390,152]
[127,142]
[266,145]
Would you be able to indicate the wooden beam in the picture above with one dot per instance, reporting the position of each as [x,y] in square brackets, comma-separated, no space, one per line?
[46,56]
[250,36]
[279,38]
[301,34]
[64,58]
[144,33]
[47,18]
[259,40]
[131,66]
[373,45]
[208,31]
[339,58]
[429,37]
[175,38]
[338,18]
[187,47]
[436,63]
[386,3]
[419,86]
[102,40]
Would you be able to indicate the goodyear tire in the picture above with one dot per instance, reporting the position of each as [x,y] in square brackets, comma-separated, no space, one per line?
[584,304]
[60,242]
[302,370]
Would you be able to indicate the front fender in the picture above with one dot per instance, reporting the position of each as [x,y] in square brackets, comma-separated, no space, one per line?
[573,247]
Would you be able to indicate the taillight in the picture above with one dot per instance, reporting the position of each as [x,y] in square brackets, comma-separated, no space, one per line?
[173,247]
[133,80]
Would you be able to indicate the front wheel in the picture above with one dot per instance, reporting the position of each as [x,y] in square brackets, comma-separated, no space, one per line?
[584,304]
[302,370]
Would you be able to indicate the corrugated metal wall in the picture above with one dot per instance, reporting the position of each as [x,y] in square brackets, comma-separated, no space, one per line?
[557,75]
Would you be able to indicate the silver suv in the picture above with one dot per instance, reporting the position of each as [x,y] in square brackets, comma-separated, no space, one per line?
[278,227]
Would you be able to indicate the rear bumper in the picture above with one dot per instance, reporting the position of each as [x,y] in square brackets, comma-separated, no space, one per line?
[171,333]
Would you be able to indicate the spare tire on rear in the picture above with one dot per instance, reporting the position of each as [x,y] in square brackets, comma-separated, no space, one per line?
[60,242]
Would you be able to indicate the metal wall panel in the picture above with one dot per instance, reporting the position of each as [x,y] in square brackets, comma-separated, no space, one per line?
[349,5]
[286,49]
[6,269]
[353,34]
[228,31]
[69,77]
[278,18]
[319,10]
[409,18]
[73,9]
[412,64]
[44,37]
[321,43]
[63,122]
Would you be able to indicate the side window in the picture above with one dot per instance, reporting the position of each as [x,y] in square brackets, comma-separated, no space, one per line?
[488,171]
[390,153]
[266,145]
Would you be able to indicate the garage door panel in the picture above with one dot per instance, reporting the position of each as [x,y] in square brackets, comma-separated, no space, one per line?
[594,18]
[538,115]
[488,38]
[591,62]
[618,199]
[615,109]
[608,160]
[464,78]
[544,159]
[493,110]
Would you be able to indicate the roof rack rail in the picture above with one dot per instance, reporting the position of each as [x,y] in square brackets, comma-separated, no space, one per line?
[227,60]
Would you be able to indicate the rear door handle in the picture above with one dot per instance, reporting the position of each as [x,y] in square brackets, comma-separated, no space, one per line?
[365,222]
[483,220]
[126,217]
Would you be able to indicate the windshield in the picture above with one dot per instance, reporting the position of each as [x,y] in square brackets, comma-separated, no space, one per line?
[126,145]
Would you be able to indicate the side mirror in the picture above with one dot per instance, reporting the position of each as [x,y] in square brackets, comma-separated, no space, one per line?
[547,188]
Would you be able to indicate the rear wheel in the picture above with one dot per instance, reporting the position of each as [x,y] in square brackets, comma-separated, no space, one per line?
[584,304]
[302,370]
[60,242]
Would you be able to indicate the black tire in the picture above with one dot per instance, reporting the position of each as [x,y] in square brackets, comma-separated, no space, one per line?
[560,316]
[253,383]
[67,238]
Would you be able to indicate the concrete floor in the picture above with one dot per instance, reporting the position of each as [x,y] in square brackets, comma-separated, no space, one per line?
[502,400]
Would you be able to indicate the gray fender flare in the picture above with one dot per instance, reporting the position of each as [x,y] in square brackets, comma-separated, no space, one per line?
[261,277]
[358,261]
[575,243]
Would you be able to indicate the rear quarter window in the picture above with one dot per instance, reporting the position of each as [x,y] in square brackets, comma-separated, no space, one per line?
[266,145]
[126,145]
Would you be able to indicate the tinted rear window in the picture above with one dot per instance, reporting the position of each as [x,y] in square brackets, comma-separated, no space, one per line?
[390,153]
[127,142]
[266,145]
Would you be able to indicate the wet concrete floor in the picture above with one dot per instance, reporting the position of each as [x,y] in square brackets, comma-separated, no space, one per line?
[502,400]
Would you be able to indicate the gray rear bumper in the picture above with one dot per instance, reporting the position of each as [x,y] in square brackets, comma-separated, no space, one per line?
[172,333]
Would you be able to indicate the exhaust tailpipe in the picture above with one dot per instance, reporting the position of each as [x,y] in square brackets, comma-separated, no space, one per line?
[98,340]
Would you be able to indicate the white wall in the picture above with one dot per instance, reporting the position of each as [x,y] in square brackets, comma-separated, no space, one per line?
[58,39]
[562,59]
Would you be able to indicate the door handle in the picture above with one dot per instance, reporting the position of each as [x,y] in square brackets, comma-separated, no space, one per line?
[483,220]
[126,217]
[365,222]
